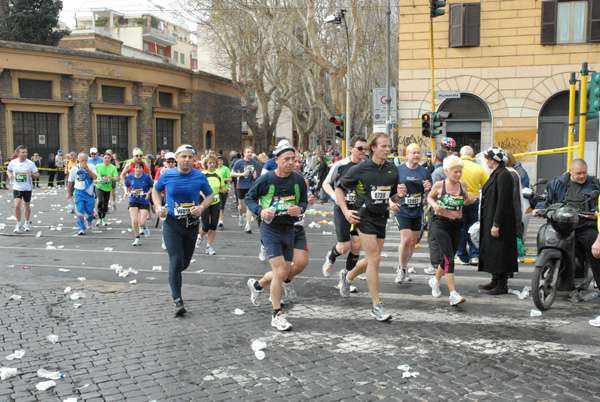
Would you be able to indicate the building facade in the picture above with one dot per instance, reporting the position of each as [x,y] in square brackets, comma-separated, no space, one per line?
[53,98]
[510,61]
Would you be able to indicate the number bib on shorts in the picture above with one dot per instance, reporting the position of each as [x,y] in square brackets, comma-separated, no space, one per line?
[182,209]
[413,200]
[381,194]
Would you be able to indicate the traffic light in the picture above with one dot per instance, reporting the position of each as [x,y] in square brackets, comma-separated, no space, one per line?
[425,124]
[593,93]
[437,8]
[339,125]
[437,122]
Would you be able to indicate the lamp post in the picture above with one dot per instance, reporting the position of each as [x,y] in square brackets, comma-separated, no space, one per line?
[337,19]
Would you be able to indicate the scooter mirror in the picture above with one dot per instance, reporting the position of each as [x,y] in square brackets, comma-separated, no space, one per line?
[540,181]
[595,194]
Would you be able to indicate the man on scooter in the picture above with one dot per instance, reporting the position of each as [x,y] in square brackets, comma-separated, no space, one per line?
[573,188]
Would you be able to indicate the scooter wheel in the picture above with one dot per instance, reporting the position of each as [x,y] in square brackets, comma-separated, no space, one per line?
[544,283]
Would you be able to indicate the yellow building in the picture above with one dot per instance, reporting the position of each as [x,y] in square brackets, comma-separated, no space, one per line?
[510,61]
[54,98]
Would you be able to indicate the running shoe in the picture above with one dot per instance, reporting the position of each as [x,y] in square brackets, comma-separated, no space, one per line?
[220,224]
[455,299]
[327,265]
[104,223]
[81,233]
[474,261]
[98,222]
[241,221]
[164,246]
[114,207]
[289,290]
[27,226]
[279,321]
[380,313]
[136,242]
[458,261]
[248,229]
[353,289]
[209,250]
[434,284]
[401,275]
[89,224]
[146,231]
[263,253]
[179,308]
[430,270]
[254,292]
[344,284]
[199,241]
[18,227]
[595,322]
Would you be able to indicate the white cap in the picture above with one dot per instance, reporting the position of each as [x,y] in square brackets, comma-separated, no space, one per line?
[170,155]
[185,147]
[93,150]
[283,146]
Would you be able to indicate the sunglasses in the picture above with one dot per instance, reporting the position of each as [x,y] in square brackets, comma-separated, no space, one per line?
[170,160]
[138,156]
[91,153]
[361,148]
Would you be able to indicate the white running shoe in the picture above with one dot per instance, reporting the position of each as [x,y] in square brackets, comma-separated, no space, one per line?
[146,231]
[263,254]
[241,221]
[327,265]
[289,290]
[401,275]
[209,250]
[430,270]
[254,292]
[248,229]
[220,224]
[27,226]
[595,322]
[136,242]
[89,224]
[435,288]
[455,298]
[279,321]
[164,246]
[18,227]
[199,241]
[81,233]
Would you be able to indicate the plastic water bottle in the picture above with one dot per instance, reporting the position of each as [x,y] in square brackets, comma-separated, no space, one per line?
[42,386]
[272,209]
[52,375]
[166,210]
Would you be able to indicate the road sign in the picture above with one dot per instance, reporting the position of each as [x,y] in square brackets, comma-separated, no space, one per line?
[453,94]
[379,107]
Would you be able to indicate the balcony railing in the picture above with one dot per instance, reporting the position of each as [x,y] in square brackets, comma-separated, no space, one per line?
[158,36]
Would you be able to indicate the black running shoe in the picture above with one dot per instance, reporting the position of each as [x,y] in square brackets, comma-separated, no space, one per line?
[179,308]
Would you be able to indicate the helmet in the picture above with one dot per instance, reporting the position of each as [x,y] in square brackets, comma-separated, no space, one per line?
[564,220]
[448,143]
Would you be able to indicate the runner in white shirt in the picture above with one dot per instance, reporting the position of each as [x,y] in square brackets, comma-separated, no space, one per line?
[20,173]
[82,177]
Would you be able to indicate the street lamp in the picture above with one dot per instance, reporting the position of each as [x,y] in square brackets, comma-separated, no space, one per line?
[337,19]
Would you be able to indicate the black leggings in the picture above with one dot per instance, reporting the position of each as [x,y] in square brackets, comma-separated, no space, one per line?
[223,200]
[446,233]
[210,217]
[103,199]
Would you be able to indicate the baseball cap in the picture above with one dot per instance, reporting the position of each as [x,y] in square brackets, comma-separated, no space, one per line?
[185,147]
[93,150]
[170,155]
[282,147]
[59,151]
[138,152]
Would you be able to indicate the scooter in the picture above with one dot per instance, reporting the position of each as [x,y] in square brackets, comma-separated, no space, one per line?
[531,199]
[561,265]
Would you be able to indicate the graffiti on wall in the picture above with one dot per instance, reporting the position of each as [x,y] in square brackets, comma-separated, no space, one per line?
[420,140]
[517,142]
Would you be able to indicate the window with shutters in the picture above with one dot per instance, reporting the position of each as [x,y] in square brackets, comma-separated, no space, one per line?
[570,22]
[465,25]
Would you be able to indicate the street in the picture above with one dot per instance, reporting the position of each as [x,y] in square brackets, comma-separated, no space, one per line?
[123,343]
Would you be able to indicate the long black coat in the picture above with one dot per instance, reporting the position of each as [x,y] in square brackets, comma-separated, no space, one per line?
[498,255]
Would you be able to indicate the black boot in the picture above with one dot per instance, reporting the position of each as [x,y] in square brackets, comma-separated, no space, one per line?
[502,286]
[491,285]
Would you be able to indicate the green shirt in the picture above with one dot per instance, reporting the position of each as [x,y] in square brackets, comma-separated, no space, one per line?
[216,182]
[225,173]
[103,171]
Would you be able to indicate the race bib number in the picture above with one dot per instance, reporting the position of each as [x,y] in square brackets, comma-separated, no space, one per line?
[284,204]
[182,209]
[137,192]
[380,195]
[21,177]
[250,168]
[453,203]
[350,198]
[80,176]
[413,200]
[104,180]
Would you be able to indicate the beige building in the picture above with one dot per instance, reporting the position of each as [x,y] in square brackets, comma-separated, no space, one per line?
[510,61]
[54,98]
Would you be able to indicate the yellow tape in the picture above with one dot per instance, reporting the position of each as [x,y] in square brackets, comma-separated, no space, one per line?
[550,151]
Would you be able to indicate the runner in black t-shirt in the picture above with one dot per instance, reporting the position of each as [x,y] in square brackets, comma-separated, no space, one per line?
[375,181]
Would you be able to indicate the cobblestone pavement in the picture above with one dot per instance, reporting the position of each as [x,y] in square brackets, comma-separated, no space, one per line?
[123,343]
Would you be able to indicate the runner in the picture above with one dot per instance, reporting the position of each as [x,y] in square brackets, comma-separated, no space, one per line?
[20,173]
[347,238]
[375,181]
[210,216]
[245,171]
[225,173]
[182,188]
[408,213]
[71,161]
[446,224]
[137,187]
[81,185]
[300,254]
[114,161]
[279,197]
[107,174]
[169,163]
